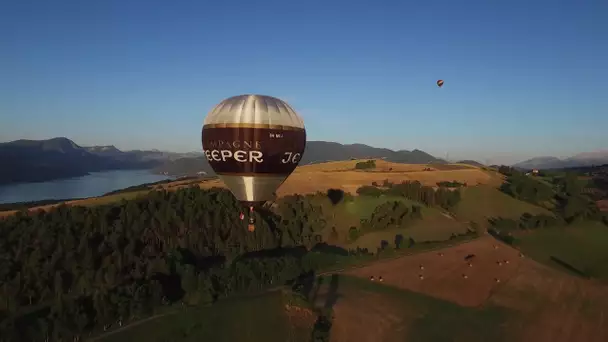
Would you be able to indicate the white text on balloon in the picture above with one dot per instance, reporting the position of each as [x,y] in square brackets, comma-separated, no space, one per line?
[291,157]
[239,155]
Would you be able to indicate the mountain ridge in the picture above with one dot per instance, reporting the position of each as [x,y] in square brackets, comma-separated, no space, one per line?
[58,158]
[316,152]
[579,160]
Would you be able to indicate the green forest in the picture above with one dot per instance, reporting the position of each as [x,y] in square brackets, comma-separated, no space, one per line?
[76,271]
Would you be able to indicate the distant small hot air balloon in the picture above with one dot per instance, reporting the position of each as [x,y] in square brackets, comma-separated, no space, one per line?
[440,83]
[253,143]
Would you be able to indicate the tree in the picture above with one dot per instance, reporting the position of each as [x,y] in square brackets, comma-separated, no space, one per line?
[398,241]
[366,165]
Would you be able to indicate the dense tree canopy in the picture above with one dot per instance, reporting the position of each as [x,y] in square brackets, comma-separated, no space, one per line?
[370,164]
[74,269]
[564,193]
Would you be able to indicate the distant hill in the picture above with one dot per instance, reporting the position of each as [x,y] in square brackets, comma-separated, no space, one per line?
[42,160]
[108,151]
[579,160]
[162,156]
[471,162]
[316,152]
[322,151]
[140,155]
[185,167]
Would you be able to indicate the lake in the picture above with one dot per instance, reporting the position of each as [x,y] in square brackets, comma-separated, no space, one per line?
[94,184]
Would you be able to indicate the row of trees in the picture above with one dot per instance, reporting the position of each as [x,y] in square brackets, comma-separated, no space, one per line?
[366,165]
[502,228]
[392,214]
[414,190]
[452,184]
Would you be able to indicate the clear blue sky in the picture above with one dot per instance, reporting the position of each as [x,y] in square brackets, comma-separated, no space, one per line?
[522,77]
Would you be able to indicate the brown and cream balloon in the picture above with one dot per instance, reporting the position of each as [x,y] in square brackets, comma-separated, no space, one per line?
[253,143]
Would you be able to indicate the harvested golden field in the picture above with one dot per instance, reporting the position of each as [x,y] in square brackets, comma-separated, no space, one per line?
[341,174]
[350,181]
[346,165]
[543,304]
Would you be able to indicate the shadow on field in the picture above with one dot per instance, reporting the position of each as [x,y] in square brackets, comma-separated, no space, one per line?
[570,268]
[322,328]
[325,248]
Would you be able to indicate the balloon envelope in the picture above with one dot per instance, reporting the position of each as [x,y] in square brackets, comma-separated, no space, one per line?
[253,143]
[440,83]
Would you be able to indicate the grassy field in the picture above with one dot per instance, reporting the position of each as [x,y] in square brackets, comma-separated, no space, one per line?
[367,311]
[434,226]
[482,202]
[532,302]
[342,174]
[584,246]
[259,318]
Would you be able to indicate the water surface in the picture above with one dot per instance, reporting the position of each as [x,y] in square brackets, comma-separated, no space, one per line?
[94,184]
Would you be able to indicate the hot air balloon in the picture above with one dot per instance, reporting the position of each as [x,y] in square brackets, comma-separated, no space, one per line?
[440,83]
[253,143]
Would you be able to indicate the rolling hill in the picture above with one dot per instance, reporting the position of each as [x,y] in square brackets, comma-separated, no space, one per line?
[579,160]
[471,162]
[316,152]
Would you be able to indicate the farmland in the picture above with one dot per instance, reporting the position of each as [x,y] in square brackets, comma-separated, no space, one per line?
[532,302]
[442,276]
